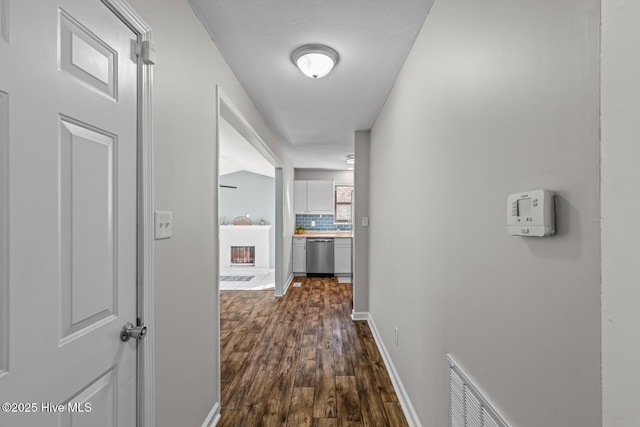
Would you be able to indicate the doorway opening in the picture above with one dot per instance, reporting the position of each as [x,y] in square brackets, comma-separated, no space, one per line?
[246,210]
[250,210]
[250,213]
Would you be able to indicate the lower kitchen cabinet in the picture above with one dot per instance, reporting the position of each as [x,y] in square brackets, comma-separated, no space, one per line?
[299,255]
[342,256]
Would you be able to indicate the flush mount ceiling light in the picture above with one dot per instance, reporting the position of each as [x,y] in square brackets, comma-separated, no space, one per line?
[351,159]
[315,60]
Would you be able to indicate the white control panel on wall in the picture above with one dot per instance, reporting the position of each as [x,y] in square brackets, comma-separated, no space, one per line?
[531,213]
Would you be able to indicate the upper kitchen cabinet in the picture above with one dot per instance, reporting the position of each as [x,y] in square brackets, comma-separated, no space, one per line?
[313,197]
[320,197]
[300,197]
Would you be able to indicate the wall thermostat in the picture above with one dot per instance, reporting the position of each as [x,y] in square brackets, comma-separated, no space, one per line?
[531,213]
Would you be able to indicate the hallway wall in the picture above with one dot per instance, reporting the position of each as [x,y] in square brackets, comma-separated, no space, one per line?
[620,208]
[361,177]
[188,68]
[496,97]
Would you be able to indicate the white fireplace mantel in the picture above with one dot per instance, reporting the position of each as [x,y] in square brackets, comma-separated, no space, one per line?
[245,235]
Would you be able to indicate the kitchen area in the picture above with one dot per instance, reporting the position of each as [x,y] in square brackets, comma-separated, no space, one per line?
[323,254]
[320,207]
[323,243]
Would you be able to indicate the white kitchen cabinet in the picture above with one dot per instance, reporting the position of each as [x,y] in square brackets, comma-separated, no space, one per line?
[342,256]
[299,255]
[300,197]
[320,197]
[313,197]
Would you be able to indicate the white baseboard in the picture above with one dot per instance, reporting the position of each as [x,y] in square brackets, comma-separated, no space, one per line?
[403,397]
[359,315]
[284,291]
[213,417]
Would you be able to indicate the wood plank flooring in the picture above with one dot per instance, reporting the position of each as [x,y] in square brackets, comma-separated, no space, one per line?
[301,361]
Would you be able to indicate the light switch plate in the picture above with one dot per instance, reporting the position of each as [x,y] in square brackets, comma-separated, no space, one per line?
[164,225]
[365,221]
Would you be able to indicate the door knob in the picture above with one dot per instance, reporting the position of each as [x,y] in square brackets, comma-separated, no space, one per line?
[130,331]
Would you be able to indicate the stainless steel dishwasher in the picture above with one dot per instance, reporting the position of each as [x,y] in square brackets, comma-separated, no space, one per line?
[320,257]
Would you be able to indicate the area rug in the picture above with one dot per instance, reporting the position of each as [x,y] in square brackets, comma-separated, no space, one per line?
[236,278]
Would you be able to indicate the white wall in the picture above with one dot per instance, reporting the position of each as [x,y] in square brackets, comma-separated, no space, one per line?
[288,227]
[186,179]
[361,234]
[620,208]
[496,97]
[339,177]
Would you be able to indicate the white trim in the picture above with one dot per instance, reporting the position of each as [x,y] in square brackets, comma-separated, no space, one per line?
[355,315]
[216,239]
[246,227]
[279,230]
[4,20]
[403,396]
[5,234]
[213,417]
[286,287]
[146,360]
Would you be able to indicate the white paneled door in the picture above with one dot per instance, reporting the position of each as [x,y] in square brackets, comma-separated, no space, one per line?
[68,125]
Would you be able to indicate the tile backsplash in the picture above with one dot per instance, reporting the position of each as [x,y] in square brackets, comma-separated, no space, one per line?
[323,222]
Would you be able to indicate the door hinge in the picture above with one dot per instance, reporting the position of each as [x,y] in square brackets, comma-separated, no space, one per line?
[147,52]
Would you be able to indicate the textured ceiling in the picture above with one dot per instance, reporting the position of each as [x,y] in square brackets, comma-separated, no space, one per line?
[315,119]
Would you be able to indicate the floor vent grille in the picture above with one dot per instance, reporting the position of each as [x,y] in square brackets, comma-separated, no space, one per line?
[467,406]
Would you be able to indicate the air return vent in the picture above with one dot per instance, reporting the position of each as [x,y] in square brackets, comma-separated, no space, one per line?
[467,407]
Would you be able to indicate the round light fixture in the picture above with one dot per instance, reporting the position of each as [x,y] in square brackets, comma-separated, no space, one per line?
[351,159]
[315,60]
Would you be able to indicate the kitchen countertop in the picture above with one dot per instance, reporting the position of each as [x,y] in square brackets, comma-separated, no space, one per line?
[324,234]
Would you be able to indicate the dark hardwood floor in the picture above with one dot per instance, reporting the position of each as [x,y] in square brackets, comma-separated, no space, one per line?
[300,360]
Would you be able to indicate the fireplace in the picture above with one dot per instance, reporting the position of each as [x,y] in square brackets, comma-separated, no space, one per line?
[243,255]
[244,246]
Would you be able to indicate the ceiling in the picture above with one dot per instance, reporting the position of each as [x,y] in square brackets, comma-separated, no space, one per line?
[315,119]
[237,154]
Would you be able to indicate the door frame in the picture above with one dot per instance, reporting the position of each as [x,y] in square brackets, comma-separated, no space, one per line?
[226,109]
[145,404]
